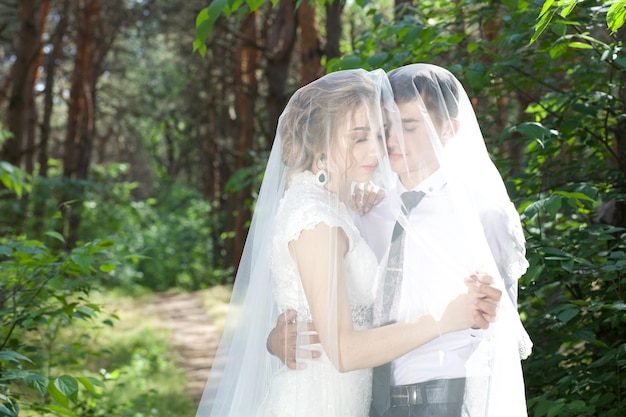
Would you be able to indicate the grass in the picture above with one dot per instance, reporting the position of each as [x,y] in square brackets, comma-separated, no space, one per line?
[133,357]
[127,349]
[215,302]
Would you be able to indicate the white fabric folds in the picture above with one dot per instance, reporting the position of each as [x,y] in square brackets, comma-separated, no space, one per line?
[309,250]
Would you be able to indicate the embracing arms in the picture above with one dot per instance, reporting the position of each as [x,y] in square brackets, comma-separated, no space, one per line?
[321,270]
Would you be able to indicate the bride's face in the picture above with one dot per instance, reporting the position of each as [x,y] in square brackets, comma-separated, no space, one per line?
[359,147]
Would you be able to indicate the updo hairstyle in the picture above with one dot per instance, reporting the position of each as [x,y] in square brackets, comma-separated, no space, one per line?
[308,126]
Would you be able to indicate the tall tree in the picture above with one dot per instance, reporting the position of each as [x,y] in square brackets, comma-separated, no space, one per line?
[96,28]
[50,64]
[21,109]
[246,91]
[310,44]
[334,11]
[279,44]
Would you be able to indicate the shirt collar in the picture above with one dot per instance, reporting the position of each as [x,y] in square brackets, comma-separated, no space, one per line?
[433,183]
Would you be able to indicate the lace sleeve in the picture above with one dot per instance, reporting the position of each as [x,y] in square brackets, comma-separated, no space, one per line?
[507,243]
[305,205]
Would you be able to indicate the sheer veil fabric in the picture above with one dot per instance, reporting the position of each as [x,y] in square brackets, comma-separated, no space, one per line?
[330,135]
[466,223]
[411,129]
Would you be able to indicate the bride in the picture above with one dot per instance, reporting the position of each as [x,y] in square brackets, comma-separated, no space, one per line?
[304,253]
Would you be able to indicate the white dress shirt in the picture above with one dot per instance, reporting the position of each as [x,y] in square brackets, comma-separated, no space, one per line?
[436,260]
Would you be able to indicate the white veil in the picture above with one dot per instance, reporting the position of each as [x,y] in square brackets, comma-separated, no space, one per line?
[243,371]
[473,227]
[324,143]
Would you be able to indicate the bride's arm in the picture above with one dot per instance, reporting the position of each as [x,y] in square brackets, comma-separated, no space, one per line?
[319,254]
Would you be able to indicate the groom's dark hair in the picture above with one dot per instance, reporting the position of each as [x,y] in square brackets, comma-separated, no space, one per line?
[436,86]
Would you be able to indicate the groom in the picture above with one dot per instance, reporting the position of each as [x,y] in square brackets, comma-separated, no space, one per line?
[420,384]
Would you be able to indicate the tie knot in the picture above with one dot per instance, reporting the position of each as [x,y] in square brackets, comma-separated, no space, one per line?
[410,199]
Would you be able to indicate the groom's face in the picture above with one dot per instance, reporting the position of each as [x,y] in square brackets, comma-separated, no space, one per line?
[410,146]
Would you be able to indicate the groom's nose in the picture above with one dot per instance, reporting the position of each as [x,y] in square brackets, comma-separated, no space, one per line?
[391,137]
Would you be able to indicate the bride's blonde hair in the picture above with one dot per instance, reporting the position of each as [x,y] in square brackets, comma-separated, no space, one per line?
[308,126]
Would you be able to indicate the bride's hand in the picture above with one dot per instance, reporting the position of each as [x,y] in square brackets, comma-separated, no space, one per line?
[489,296]
[461,313]
[476,309]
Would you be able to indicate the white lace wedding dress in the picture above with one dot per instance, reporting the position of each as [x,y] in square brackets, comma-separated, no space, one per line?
[320,389]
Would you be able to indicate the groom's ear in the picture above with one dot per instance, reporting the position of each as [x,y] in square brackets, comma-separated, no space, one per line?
[449,130]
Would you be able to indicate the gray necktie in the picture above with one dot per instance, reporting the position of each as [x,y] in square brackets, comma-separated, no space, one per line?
[388,305]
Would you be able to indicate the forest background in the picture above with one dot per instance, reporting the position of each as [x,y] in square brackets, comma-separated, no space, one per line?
[131,155]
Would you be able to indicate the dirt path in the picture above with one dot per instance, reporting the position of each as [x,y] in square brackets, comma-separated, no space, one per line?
[193,335]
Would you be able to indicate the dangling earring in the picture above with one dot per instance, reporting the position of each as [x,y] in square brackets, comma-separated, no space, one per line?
[322,175]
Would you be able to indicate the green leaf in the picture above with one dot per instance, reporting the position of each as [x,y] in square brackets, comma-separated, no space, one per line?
[67,385]
[6,355]
[198,45]
[55,235]
[558,49]
[57,395]
[107,268]
[544,21]
[533,130]
[580,45]
[546,6]
[575,195]
[37,382]
[557,253]
[619,305]
[254,4]
[377,60]
[568,314]
[6,250]
[4,411]
[570,4]
[472,46]
[207,17]
[413,34]
[351,62]
[82,260]
[616,15]
[553,204]
[61,410]
[554,410]
[85,311]
[585,335]
[91,383]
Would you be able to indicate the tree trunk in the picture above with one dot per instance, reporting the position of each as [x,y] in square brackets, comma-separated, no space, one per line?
[56,42]
[279,46]
[21,112]
[334,11]
[80,122]
[33,15]
[310,44]
[620,134]
[246,98]
[31,114]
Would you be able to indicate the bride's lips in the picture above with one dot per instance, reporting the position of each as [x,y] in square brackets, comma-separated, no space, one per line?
[371,167]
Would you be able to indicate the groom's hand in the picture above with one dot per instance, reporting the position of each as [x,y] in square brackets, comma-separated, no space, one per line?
[288,341]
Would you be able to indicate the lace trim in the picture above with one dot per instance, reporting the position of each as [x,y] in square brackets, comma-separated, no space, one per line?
[361,316]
